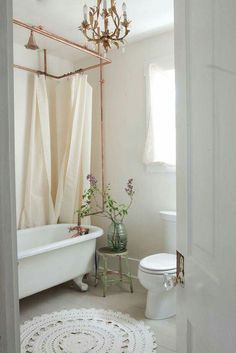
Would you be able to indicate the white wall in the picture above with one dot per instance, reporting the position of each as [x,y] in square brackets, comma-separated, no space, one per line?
[23,84]
[125,126]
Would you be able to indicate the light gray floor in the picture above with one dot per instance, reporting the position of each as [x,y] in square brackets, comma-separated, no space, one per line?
[67,296]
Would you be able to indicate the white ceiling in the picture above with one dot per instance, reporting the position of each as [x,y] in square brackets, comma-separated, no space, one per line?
[64,16]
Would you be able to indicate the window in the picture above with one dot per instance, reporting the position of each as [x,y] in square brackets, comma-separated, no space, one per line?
[160,147]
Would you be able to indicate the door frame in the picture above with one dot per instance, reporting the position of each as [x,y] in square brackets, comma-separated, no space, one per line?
[183,139]
[9,302]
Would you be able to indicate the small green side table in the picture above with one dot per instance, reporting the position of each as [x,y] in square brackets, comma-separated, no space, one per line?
[105,254]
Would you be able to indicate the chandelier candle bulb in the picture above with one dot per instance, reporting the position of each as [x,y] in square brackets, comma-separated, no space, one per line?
[124,9]
[91,19]
[85,10]
[104,4]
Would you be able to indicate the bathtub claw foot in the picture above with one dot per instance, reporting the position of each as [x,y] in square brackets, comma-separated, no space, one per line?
[79,282]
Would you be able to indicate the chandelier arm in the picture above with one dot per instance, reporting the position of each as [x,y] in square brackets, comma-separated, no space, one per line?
[120,39]
[125,35]
[115,12]
[106,23]
[117,25]
[97,12]
[93,31]
[97,40]
[95,9]
[96,33]
[110,37]
[89,38]
[94,12]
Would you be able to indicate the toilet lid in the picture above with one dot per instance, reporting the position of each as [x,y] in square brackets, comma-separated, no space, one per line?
[159,262]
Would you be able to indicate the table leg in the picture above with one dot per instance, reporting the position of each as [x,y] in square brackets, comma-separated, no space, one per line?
[96,268]
[104,276]
[129,274]
[120,268]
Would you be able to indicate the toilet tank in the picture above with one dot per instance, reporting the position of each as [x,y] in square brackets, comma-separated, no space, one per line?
[169,231]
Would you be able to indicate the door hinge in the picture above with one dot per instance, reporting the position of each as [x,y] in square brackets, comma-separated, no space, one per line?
[180,269]
[172,280]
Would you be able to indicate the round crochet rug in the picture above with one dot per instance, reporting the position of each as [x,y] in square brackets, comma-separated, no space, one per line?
[86,330]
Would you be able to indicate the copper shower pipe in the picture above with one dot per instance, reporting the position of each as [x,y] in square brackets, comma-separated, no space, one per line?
[45,61]
[60,39]
[102,123]
[78,71]
[53,36]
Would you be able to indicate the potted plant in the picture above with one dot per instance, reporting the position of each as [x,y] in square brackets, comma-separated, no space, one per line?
[111,209]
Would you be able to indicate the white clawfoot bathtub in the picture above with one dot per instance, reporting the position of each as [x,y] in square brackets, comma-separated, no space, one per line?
[48,256]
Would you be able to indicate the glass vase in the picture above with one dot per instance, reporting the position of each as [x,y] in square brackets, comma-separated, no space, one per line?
[117,237]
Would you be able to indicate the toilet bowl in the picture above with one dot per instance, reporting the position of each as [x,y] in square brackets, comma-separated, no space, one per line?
[161,303]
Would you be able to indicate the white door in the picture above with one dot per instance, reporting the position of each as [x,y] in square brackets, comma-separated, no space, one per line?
[205,43]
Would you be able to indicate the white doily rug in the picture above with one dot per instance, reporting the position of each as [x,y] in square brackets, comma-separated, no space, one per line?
[86,330]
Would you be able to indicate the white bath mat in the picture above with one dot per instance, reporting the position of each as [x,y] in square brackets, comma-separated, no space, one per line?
[86,330]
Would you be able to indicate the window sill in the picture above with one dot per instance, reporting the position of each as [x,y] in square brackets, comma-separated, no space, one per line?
[160,168]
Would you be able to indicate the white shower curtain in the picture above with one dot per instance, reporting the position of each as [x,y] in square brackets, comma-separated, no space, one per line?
[59,151]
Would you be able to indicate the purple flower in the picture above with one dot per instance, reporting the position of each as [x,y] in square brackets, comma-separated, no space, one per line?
[93,181]
[130,188]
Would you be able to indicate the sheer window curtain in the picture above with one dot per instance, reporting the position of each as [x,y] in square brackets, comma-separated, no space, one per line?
[59,151]
[160,146]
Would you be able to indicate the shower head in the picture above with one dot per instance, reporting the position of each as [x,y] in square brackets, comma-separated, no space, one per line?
[31,42]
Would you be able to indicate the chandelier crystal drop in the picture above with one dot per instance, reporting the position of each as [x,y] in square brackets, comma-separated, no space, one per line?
[103,24]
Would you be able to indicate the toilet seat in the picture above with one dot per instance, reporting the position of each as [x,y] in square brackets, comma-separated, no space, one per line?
[158,264]
[157,273]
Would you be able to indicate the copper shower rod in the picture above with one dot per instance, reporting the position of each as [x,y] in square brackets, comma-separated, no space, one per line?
[57,38]
[60,39]
[79,71]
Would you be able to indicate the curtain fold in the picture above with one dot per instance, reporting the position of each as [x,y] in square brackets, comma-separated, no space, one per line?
[76,157]
[59,154]
[38,206]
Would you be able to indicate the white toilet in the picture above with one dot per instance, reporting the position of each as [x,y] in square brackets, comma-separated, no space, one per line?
[156,272]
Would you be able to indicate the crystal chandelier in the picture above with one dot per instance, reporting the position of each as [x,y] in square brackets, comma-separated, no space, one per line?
[103,25]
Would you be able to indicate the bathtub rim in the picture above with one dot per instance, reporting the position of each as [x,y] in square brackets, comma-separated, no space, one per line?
[96,233]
